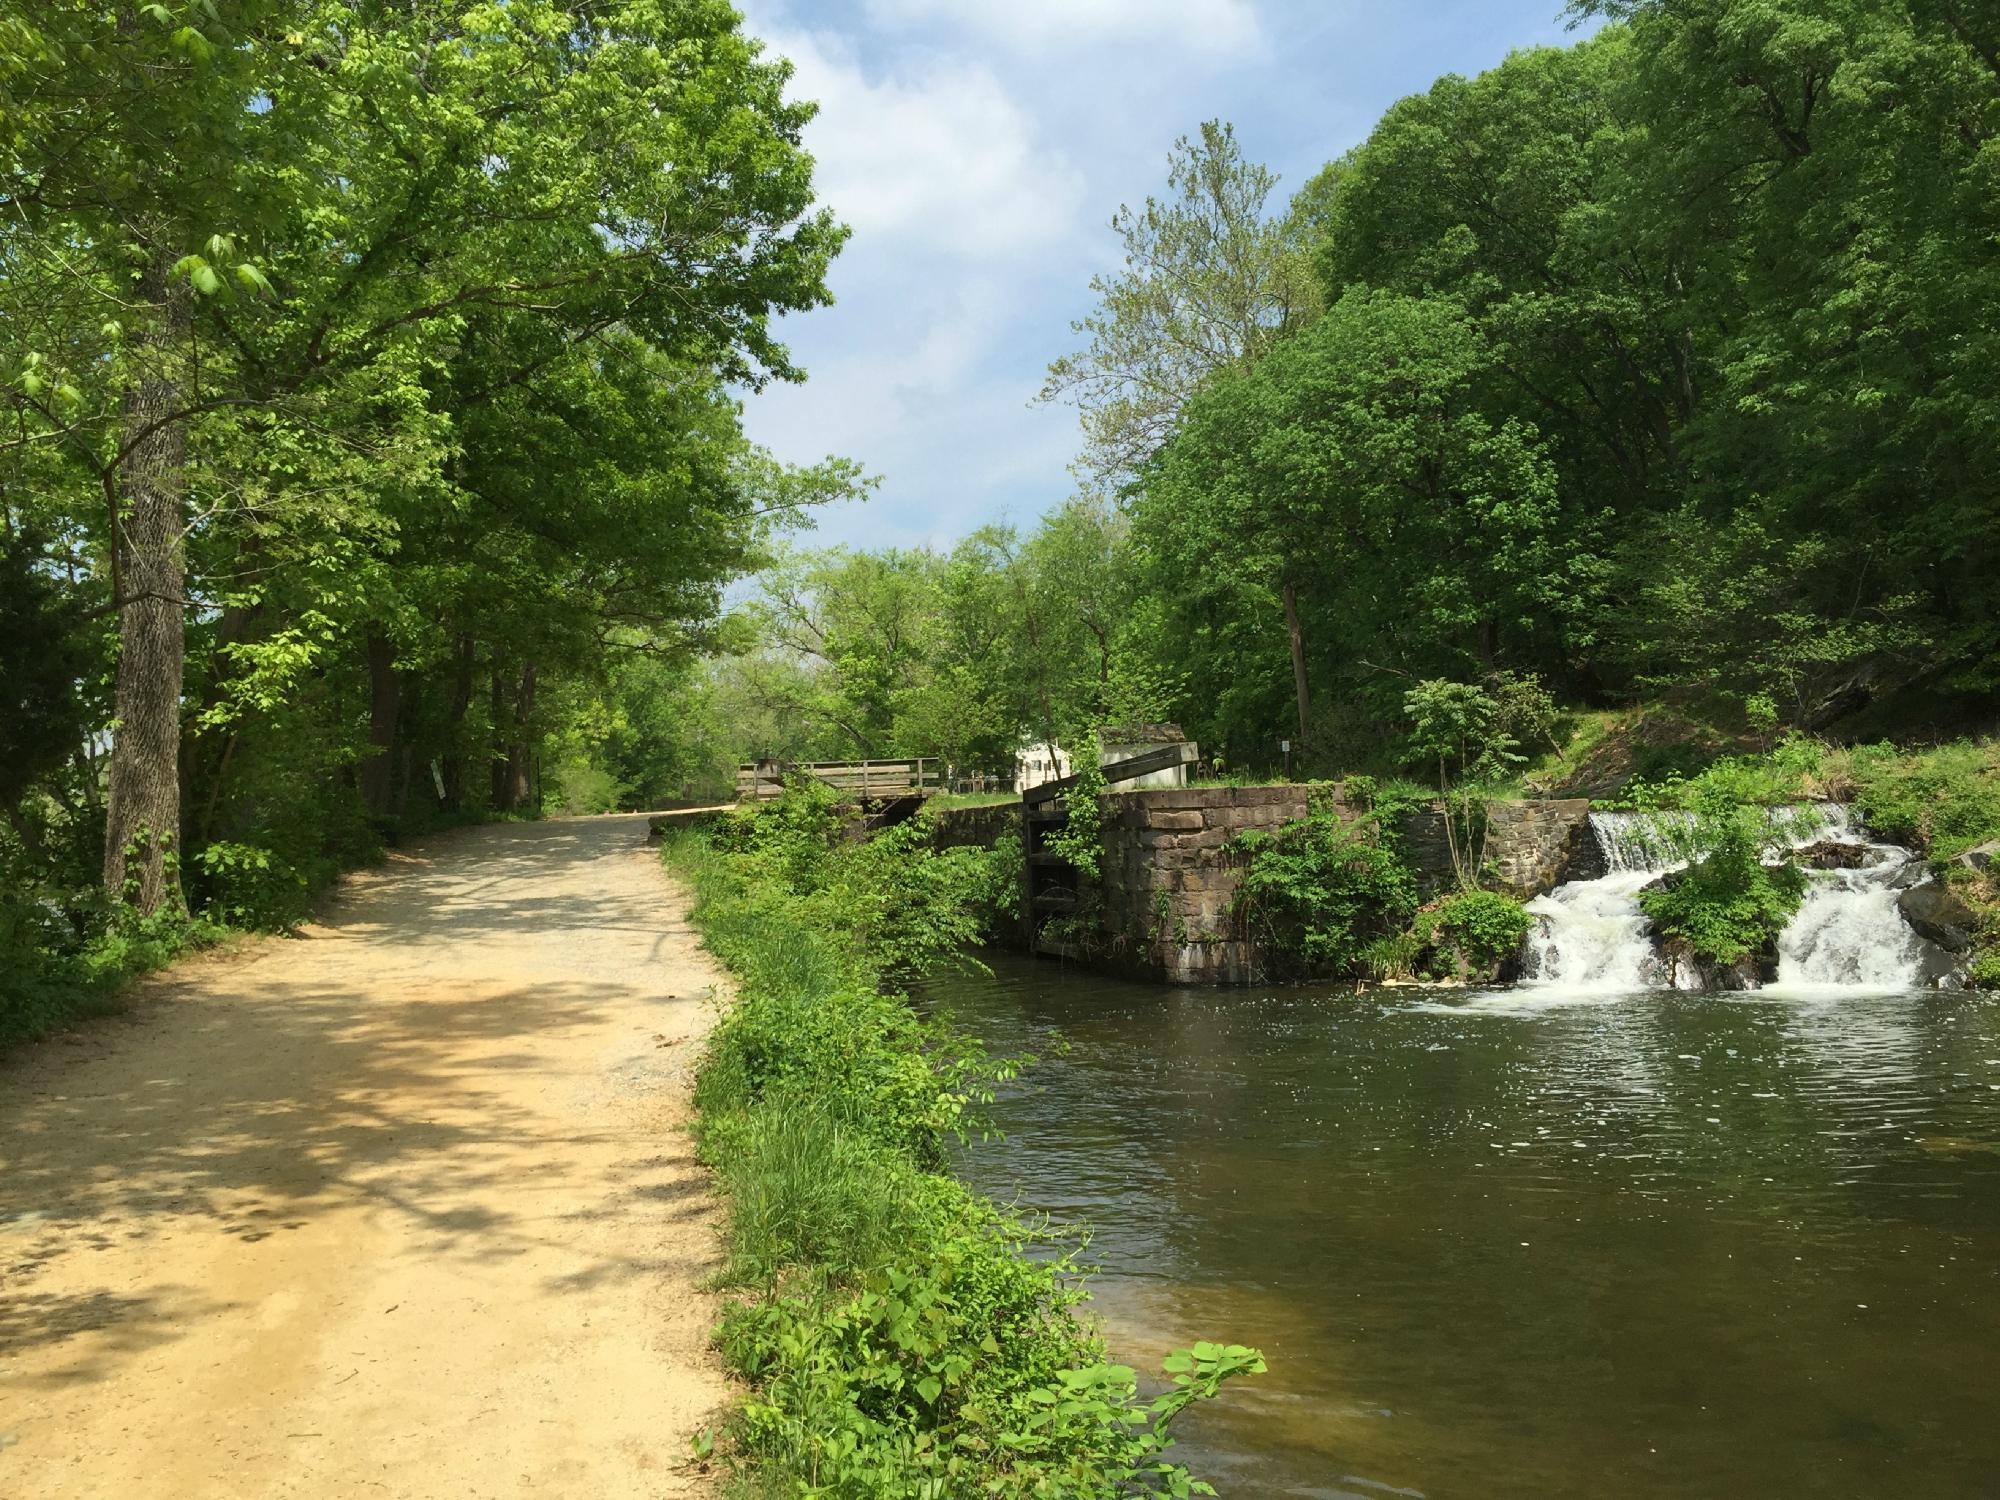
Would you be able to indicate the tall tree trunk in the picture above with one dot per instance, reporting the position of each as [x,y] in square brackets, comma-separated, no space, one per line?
[1298,637]
[461,701]
[143,801]
[520,768]
[501,786]
[385,694]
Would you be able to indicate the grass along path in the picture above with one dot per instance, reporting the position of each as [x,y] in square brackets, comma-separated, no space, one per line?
[398,1208]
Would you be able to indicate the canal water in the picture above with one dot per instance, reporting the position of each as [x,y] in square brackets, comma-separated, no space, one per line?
[1513,1244]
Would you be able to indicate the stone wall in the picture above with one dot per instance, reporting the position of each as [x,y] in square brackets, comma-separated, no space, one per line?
[1530,846]
[975,827]
[1169,883]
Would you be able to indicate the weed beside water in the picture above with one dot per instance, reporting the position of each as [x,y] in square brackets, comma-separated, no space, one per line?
[903,1336]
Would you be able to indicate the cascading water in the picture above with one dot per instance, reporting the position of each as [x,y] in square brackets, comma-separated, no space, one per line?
[1848,932]
[1590,936]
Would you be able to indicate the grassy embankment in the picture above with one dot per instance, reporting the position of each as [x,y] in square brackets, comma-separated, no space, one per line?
[901,1335]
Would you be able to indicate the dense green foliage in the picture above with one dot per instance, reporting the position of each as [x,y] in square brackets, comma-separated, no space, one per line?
[1737,892]
[902,1336]
[1473,933]
[965,655]
[1333,896]
[1659,366]
[1320,894]
[372,451]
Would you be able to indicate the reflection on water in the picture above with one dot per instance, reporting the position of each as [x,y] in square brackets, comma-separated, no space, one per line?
[1517,1245]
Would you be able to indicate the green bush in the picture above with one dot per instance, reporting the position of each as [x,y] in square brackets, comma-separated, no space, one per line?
[51,977]
[1080,841]
[1944,800]
[1984,972]
[902,1336]
[244,885]
[1320,893]
[1728,903]
[1474,932]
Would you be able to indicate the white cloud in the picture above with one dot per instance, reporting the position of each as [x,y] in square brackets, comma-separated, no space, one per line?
[1218,29]
[933,151]
[927,396]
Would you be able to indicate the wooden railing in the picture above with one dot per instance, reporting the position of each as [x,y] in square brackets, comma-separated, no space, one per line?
[863,779]
[1130,769]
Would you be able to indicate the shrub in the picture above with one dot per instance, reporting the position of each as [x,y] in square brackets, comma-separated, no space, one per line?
[1728,903]
[1984,972]
[245,885]
[1475,932]
[1318,893]
[1080,841]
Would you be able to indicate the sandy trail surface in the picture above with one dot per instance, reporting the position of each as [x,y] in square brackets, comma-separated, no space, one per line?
[399,1207]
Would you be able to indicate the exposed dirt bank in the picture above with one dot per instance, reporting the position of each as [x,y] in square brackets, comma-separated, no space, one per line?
[397,1208]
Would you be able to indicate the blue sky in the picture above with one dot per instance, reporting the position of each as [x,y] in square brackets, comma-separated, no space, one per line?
[979,148]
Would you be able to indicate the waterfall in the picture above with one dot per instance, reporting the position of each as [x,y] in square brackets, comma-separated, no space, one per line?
[1848,932]
[1590,937]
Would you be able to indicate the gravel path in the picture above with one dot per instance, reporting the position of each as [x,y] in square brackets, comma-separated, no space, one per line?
[397,1208]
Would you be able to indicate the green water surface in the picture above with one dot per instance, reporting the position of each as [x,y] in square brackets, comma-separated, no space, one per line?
[1499,1246]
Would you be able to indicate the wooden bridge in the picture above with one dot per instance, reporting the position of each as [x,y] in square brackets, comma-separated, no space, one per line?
[864,780]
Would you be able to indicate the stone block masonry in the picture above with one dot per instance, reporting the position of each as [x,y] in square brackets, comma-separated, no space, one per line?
[1169,881]
[1167,884]
[976,827]
[1527,849]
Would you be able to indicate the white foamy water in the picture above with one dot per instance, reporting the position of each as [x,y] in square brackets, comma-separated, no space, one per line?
[1591,938]
[1848,932]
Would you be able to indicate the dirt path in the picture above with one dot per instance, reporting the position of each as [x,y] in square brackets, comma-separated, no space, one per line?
[399,1208]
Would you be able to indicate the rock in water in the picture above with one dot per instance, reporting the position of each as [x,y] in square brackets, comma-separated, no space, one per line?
[1832,854]
[1939,915]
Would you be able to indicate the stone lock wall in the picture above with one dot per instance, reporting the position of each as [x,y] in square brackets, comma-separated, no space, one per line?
[1530,848]
[1168,884]
[976,827]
